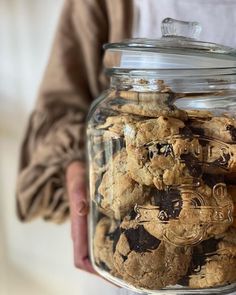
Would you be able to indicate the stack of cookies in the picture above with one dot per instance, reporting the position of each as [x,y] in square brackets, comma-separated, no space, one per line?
[162,184]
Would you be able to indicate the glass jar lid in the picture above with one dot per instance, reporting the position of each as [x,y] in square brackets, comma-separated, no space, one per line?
[178,48]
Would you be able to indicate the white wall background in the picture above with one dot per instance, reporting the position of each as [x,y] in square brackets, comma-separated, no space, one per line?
[36,258]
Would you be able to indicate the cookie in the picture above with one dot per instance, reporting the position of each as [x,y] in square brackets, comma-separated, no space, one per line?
[217,272]
[105,236]
[186,215]
[146,131]
[146,262]
[149,104]
[164,152]
[166,162]
[221,128]
[119,192]
[213,262]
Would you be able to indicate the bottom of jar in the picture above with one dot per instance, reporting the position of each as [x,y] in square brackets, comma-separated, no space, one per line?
[228,289]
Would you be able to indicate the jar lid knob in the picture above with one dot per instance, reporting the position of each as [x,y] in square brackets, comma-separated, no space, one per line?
[177,28]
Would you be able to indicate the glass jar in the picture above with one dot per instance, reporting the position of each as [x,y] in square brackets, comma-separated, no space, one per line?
[162,165]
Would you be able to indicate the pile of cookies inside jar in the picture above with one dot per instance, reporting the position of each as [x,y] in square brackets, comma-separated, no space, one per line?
[162,187]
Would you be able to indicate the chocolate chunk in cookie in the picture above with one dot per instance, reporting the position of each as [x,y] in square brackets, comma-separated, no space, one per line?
[212,180]
[186,132]
[114,237]
[193,165]
[140,240]
[169,202]
[232,131]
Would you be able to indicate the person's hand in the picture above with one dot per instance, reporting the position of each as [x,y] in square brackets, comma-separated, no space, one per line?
[76,189]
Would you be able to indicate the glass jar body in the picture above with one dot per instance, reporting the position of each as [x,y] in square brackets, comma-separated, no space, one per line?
[162,164]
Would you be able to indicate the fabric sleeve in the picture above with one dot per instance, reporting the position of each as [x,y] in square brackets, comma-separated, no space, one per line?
[55,135]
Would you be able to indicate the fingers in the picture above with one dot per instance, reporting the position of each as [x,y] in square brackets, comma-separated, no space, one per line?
[80,243]
[82,262]
[75,178]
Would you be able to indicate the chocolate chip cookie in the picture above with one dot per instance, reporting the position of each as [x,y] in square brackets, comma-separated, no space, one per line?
[186,215]
[146,131]
[146,262]
[213,262]
[221,128]
[118,191]
[171,161]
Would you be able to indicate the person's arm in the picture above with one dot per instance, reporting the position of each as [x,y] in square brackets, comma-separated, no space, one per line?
[55,136]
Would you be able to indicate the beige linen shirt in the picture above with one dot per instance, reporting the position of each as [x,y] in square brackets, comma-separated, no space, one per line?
[74,77]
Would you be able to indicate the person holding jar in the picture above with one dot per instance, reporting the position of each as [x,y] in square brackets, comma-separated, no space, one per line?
[52,179]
